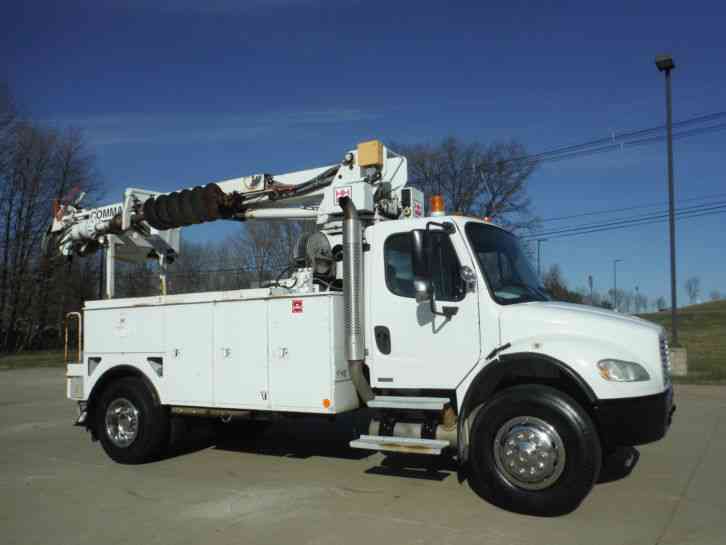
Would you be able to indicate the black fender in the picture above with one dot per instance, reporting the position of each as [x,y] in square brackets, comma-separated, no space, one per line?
[114,373]
[518,368]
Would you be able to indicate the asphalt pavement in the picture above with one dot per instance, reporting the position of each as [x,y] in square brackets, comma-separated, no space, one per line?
[300,484]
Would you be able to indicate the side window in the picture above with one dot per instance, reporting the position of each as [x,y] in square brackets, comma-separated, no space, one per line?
[398,263]
[445,267]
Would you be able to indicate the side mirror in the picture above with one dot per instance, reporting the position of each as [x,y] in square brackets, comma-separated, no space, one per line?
[419,256]
[423,289]
[422,283]
[420,264]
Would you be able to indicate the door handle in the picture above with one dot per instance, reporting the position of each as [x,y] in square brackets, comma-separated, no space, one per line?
[383,339]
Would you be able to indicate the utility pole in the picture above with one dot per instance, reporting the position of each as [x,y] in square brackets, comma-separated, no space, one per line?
[592,295]
[637,299]
[665,63]
[539,256]
[615,283]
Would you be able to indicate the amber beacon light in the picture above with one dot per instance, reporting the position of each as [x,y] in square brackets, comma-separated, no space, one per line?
[436,205]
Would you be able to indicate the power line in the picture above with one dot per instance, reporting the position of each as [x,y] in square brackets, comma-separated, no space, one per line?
[633,219]
[615,142]
[629,134]
[651,222]
[634,143]
[635,223]
[627,208]
[687,209]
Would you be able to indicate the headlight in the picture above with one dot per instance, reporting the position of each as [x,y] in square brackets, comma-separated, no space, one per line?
[622,371]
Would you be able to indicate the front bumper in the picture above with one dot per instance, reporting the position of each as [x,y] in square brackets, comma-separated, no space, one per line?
[635,420]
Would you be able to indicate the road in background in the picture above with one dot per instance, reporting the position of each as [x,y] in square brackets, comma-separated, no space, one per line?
[299,483]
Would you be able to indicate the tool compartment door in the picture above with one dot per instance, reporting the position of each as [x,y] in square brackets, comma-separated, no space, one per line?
[188,362]
[240,355]
[301,367]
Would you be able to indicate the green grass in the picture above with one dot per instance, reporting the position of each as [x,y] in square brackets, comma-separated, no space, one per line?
[702,331]
[40,358]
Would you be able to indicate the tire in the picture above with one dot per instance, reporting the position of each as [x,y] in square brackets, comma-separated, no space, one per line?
[132,428]
[536,427]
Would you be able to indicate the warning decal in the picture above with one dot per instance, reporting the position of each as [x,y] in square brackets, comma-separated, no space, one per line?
[346,191]
[297,306]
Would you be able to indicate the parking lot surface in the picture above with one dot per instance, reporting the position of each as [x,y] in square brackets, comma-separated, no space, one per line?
[299,483]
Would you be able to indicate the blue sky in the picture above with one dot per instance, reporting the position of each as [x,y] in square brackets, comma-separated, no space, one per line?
[177,93]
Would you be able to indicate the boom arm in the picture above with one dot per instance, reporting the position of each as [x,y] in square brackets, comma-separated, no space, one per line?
[371,176]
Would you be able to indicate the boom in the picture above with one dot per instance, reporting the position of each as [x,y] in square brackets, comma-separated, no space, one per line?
[146,224]
[371,175]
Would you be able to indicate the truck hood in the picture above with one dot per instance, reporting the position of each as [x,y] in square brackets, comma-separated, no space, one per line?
[572,314]
[580,336]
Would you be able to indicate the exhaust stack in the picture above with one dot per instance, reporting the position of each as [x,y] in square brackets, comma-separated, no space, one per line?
[353,297]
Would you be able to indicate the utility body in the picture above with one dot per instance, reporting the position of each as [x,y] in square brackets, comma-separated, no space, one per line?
[435,327]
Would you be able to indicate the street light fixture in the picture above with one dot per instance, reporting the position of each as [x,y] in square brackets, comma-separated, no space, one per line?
[665,63]
[615,283]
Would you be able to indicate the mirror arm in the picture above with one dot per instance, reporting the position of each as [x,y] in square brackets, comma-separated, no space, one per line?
[446,311]
[447,226]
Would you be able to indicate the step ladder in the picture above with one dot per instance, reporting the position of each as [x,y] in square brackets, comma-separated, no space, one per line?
[400,444]
[411,445]
[408,403]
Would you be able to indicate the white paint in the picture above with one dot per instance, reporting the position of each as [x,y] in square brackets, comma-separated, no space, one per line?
[259,349]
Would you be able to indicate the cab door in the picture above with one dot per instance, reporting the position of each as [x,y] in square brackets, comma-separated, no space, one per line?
[409,345]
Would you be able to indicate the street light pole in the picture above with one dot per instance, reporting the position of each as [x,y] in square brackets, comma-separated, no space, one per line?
[615,283]
[539,256]
[665,64]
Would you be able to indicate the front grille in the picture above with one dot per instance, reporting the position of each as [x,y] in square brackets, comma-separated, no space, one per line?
[665,360]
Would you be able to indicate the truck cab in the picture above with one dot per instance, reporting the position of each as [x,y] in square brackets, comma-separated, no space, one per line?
[454,304]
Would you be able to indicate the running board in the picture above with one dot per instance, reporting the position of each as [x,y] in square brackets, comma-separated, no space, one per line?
[416,403]
[400,444]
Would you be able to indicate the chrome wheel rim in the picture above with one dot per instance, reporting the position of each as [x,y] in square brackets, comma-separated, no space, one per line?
[122,422]
[529,453]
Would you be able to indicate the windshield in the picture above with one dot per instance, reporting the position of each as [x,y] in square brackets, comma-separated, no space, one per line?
[506,269]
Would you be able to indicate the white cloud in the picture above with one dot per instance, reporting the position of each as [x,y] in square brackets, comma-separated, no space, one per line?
[134,127]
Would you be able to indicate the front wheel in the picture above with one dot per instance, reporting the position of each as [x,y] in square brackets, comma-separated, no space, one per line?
[534,450]
[131,427]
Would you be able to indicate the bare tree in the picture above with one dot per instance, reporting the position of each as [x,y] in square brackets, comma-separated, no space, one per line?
[641,302]
[693,287]
[479,180]
[265,248]
[37,165]
[555,284]
[715,295]
[661,303]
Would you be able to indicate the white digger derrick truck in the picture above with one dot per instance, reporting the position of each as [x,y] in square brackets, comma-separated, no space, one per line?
[436,326]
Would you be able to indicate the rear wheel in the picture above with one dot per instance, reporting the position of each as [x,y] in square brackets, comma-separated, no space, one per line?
[132,428]
[534,450]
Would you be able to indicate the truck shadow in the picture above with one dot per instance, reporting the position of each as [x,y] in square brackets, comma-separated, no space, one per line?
[308,437]
[619,465]
[415,466]
[301,438]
